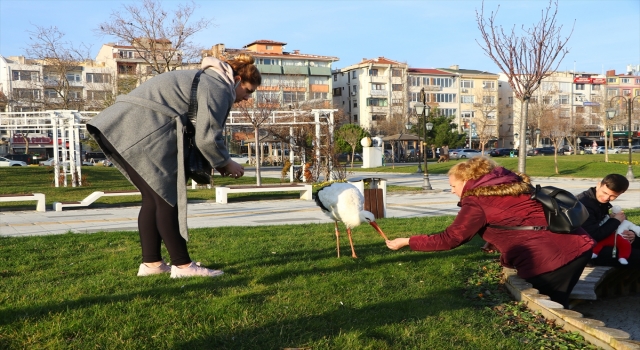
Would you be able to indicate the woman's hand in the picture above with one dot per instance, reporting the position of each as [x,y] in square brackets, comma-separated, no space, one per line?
[397,243]
[232,169]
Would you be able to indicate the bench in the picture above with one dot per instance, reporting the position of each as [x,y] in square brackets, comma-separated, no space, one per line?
[589,281]
[40,206]
[305,190]
[58,206]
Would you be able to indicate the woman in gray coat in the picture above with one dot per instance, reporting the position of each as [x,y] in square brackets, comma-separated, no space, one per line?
[141,135]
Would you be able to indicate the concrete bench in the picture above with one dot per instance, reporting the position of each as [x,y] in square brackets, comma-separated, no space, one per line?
[305,190]
[589,281]
[40,206]
[58,206]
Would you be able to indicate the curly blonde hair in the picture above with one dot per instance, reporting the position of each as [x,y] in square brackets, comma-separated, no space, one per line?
[243,66]
[477,167]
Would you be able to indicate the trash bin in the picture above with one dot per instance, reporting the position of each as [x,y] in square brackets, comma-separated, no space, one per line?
[374,190]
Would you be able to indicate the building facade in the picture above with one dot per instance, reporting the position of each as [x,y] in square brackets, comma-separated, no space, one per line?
[289,79]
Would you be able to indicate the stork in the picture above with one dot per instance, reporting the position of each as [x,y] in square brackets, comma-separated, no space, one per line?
[344,202]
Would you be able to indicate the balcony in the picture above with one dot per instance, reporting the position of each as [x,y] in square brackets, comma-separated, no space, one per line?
[379,93]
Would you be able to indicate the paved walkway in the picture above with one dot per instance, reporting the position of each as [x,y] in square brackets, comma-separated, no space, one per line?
[267,212]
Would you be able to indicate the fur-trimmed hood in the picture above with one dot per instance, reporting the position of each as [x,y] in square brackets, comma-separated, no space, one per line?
[499,182]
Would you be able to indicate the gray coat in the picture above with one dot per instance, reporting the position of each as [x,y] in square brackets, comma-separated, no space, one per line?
[143,127]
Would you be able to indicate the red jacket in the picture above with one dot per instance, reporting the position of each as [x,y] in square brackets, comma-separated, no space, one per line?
[530,252]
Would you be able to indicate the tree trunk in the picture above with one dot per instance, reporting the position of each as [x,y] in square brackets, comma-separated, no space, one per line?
[258,154]
[522,150]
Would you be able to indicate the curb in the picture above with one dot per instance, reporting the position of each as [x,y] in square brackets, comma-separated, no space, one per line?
[594,331]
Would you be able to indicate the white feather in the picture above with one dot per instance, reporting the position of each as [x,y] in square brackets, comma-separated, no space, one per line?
[345,203]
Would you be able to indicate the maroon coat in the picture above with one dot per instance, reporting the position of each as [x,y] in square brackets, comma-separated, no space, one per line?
[530,252]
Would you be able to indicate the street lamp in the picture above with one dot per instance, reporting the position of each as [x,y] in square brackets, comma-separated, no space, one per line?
[423,109]
[611,113]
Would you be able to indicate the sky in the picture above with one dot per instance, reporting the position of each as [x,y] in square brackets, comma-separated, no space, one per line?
[605,35]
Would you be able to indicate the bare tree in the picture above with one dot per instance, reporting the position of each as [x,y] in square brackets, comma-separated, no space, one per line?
[485,115]
[526,59]
[556,128]
[61,60]
[162,39]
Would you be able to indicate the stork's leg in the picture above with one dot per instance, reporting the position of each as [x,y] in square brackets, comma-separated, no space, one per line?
[337,239]
[353,252]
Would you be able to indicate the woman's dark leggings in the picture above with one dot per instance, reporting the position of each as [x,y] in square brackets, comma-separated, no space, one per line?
[558,284]
[157,221]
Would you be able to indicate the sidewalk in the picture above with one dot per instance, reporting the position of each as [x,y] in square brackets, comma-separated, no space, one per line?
[269,212]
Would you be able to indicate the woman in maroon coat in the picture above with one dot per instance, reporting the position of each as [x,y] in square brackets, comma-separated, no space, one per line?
[492,195]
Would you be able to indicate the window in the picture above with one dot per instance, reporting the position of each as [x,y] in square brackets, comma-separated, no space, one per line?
[625,80]
[445,97]
[396,102]
[268,61]
[355,104]
[320,96]
[270,80]
[98,78]
[355,117]
[337,91]
[612,80]
[93,95]
[466,98]
[269,47]
[547,100]
[533,99]
[319,64]
[595,87]
[579,86]
[27,93]
[510,100]
[466,84]
[563,99]
[547,86]
[637,81]
[564,113]
[415,96]
[75,95]
[293,63]
[579,109]
[268,96]
[379,102]
[25,75]
[489,100]
[373,72]
[375,86]
[415,81]
[353,74]
[448,112]
[354,88]
[396,87]
[319,81]
[71,77]
[626,92]
[612,92]
[335,77]
[488,84]
[443,82]
[565,87]
[50,93]
[396,73]
[292,96]
[125,69]
[425,81]
[378,117]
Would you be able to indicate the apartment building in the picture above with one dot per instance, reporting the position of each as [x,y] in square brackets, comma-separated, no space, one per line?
[134,64]
[30,85]
[289,78]
[477,103]
[371,91]
[626,85]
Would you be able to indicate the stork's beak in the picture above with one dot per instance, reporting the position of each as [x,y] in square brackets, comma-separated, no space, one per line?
[375,226]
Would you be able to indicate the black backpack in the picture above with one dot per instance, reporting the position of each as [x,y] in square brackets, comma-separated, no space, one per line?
[563,211]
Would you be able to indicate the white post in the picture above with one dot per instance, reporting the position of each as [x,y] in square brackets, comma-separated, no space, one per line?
[317,165]
[78,153]
[56,151]
[330,161]
[72,149]
[291,156]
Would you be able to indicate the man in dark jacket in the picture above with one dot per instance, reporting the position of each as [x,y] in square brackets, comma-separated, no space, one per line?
[596,200]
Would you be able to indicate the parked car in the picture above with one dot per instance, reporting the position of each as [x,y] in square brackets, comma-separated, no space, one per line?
[622,149]
[600,150]
[27,158]
[240,159]
[542,151]
[346,156]
[48,162]
[635,149]
[10,162]
[464,153]
[503,152]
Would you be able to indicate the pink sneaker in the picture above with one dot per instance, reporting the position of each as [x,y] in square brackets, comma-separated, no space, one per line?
[145,270]
[194,269]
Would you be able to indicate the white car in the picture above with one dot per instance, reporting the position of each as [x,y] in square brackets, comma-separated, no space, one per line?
[464,153]
[600,150]
[48,162]
[239,159]
[8,162]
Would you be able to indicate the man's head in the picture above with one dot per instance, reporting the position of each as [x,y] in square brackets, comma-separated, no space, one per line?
[612,186]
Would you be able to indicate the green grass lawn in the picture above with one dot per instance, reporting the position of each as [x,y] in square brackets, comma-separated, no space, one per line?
[283,287]
[581,166]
